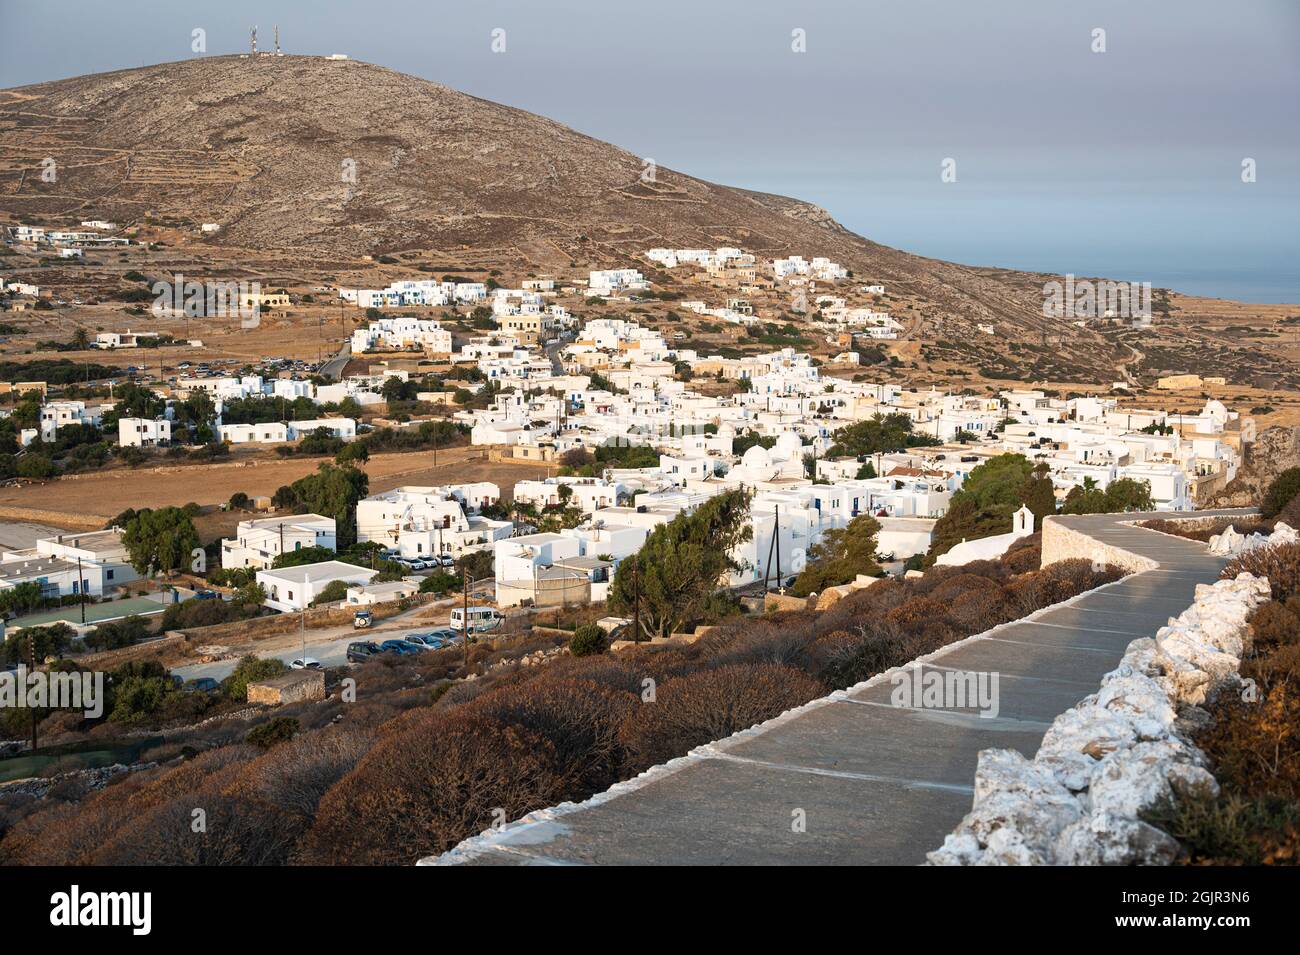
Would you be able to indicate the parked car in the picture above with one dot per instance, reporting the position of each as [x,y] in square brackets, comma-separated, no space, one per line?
[432,640]
[361,652]
[204,684]
[306,663]
[400,647]
[446,560]
[206,595]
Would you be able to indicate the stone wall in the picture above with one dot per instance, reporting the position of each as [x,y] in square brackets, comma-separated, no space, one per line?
[1121,751]
[293,687]
[1062,542]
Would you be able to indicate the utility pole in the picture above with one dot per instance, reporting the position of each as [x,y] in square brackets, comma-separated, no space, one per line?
[81,589]
[776,539]
[31,659]
[636,600]
[465,576]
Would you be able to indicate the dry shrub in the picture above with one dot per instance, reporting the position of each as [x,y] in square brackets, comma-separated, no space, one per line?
[710,705]
[851,661]
[913,617]
[1202,529]
[962,584]
[978,610]
[1273,624]
[1255,746]
[234,832]
[1279,563]
[1024,555]
[213,768]
[423,790]
[1054,583]
[605,669]
[295,775]
[1290,514]
[579,718]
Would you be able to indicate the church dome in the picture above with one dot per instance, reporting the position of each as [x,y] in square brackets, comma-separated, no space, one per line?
[756,458]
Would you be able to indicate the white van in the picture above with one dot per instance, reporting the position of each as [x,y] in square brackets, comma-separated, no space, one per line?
[481,619]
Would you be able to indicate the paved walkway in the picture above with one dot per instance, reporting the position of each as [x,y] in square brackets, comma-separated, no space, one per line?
[872,783]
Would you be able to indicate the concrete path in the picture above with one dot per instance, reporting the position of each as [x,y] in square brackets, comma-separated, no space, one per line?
[870,782]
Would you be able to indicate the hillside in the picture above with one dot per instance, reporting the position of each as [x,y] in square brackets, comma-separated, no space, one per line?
[260,145]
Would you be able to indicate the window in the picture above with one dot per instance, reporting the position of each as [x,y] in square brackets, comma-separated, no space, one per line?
[108,575]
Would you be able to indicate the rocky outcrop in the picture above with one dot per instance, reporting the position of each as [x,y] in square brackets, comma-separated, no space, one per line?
[1121,751]
[1274,450]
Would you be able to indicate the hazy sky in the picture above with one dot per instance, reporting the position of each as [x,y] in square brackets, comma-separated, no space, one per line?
[1125,163]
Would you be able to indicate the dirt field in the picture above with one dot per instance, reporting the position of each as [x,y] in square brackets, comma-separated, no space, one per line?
[108,493]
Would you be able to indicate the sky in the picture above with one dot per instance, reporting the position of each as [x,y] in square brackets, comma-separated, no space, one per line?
[1117,154]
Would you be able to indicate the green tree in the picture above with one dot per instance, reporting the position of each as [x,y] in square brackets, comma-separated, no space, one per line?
[1280,493]
[878,434]
[250,669]
[840,556]
[1128,494]
[1038,493]
[160,541]
[333,492]
[587,640]
[354,452]
[674,574]
[36,466]
[303,555]
[332,593]
[51,641]
[983,506]
[1085,498]
[20,598]
[134,401]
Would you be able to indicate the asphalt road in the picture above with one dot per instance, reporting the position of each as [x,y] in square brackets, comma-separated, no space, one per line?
[333,368]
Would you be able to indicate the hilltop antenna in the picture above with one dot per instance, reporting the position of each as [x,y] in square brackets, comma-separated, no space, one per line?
[277,40]
[252,41]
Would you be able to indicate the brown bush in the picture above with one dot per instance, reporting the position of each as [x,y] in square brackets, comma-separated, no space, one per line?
[1272,625]
[579,718]
[913,617]
[424,789]
[1054,583]
[954,587]
[295,775]
[1024,555]
[710,705]
[1202,529]
[1255,746]
[1279,563]
[235,832]
[978,610]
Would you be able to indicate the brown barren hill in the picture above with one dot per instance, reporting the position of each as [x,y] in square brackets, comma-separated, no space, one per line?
[268,146]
